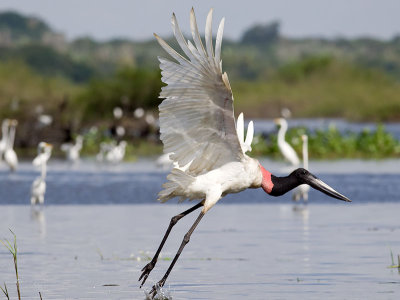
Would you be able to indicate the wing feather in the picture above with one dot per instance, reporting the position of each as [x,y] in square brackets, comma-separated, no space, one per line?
[197,122]
[218,42]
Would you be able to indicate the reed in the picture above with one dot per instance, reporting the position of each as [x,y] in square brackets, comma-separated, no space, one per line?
[12,247]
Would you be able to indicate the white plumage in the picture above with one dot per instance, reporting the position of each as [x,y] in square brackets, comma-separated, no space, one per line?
[302,190]
[197,122]
[73,150]
[38,188]
[4,137]
[10,157]
[198,129]
[117,153]
[285,148]
[246,144]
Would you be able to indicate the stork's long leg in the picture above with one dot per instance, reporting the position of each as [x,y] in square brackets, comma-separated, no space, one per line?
[186,240]
[147,269]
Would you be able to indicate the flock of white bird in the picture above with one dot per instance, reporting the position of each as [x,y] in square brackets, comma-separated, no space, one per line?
[109,152]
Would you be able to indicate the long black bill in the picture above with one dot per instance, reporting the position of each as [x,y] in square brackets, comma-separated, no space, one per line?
[319,185]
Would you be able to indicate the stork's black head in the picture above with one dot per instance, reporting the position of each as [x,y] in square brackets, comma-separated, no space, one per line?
[281,185]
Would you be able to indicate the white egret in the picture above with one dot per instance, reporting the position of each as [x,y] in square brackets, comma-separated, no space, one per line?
[117,153]
[73,150]
[10,157]
[104,148]
[285,148]
[4,137]
[197,124]
[38,188]
[302,190]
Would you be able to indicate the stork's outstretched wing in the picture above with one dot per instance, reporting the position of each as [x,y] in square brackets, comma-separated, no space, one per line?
[196,118]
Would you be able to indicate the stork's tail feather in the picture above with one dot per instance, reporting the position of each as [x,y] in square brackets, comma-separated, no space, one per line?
[177,184]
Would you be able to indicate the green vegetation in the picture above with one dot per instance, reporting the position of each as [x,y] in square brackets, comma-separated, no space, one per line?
[129,88]
[331,144]
[324,87]
[13,250]
[79,82]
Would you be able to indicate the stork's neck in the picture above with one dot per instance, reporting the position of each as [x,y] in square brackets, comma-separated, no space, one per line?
[266,183]
[282,185]
[276,186]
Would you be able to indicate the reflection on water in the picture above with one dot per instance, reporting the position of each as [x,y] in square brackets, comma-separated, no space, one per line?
[39,218]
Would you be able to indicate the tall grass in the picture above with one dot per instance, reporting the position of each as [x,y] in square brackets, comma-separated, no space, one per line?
[12,247]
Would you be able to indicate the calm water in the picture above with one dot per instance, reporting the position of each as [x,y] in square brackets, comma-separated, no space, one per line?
[100,224]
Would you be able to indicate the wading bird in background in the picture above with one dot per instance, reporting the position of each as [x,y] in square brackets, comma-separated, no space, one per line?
[73,150]
[287,151]
[302,190]
[10,157]
[197,125]
[38,188]
[117,153]
[4,137]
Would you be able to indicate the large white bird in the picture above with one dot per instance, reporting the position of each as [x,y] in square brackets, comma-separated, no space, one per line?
[302,190]
[73,150]
[4,137]
[285,148]
[197,125]
[38,188]
[10,157]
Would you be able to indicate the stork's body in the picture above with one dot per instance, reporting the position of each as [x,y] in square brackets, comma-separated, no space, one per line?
[207,147]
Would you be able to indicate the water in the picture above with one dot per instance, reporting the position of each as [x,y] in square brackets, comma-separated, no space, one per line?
[100,224]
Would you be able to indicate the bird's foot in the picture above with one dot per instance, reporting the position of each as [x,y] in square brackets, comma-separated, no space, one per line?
[146,272]
[156,289]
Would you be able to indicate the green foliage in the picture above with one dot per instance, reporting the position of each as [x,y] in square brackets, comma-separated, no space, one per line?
[129,88]
[46,61]
[331,144]
[20,84]
[262,35]
[322,87]
[20,27]
[303,68]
